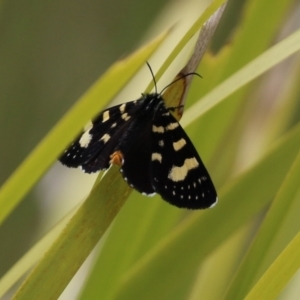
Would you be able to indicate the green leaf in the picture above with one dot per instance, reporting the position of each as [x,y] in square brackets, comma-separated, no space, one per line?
[32,256]
[272,237]
[255,68]
[57,139]
[279,273]
[60,263]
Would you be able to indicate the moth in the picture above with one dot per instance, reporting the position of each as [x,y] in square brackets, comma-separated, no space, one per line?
[154,152]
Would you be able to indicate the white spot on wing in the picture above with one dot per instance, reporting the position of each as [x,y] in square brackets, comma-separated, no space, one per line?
[125,116]
[179,173]
[122,108]
[149,195]
[158,129]
[105,116]
[156,156]
[85,139]
[113,125]
[105,138]
[179,144]
[214,203]
[172,126]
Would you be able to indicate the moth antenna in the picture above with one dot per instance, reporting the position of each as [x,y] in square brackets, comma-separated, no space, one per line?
[153,77]
[185,75]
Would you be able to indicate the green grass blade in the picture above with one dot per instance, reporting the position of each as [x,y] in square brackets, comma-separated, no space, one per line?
[32,256]
[252,23]
[255,68]
[213,7]
[141,224]
[50,277]
[52,145]
[279,273]
[258,258]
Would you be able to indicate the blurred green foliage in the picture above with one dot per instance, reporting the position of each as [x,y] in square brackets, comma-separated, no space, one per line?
[51,52]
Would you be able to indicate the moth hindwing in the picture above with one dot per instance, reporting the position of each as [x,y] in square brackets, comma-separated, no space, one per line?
[154,152]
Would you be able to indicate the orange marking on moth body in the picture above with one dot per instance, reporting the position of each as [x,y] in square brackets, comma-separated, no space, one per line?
[116,158]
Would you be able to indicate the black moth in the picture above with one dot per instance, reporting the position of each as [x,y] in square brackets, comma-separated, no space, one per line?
[155,153]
